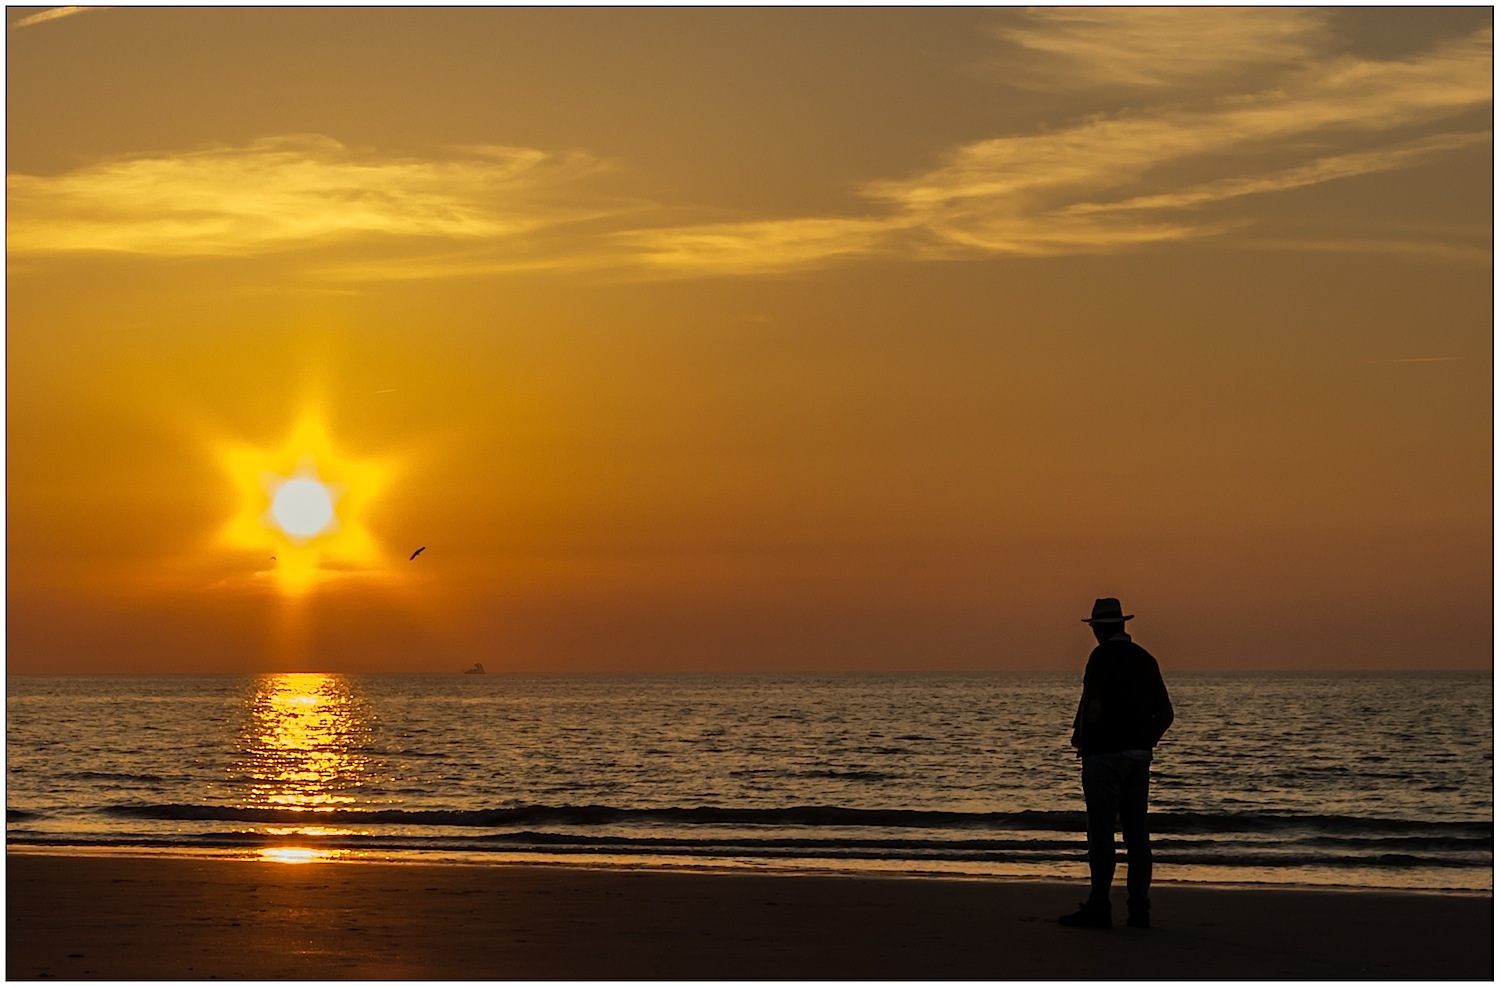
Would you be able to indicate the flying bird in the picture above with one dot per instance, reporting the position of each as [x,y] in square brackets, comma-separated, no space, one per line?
[417,552]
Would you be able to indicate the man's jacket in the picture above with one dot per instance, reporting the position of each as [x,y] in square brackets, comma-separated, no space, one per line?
[1125,705]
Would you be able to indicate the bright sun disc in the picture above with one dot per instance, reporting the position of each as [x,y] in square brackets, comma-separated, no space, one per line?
[302,507]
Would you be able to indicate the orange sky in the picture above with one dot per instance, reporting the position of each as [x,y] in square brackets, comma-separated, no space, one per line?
[749,339]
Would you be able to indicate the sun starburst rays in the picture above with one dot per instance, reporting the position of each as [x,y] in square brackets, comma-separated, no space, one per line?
[304,505]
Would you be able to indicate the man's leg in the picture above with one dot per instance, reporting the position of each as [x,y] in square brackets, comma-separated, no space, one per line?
[1102,783]
[1101,796]
[1134,794]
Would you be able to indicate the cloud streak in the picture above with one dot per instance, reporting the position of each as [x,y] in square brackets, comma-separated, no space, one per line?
[296,191]
[1178,168]
[1152,47]
[762,247]
[1322,170]
[1149,176]
[50,15]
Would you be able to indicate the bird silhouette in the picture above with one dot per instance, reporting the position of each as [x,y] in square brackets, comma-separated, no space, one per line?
[417,552]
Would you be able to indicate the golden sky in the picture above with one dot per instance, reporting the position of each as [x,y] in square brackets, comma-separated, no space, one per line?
[758,339]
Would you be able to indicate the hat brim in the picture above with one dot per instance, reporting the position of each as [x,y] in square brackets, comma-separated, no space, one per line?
[1109,620]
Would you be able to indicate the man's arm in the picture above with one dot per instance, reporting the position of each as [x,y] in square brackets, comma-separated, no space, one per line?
[1163,713]
[1078,719]
[1088,706]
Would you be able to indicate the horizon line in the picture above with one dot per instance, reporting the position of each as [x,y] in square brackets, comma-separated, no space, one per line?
[808,672]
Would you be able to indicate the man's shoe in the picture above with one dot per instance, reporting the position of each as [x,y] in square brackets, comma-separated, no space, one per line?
[1139,919]
[1088,916]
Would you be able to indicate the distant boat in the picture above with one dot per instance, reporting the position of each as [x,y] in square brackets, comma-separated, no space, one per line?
[478,669]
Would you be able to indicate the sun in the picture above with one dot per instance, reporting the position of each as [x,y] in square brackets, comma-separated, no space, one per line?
[303,506]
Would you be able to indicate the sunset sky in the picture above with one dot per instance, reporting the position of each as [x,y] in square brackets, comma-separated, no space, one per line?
[760,339]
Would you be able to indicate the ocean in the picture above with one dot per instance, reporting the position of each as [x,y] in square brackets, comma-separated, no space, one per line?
[1345,780]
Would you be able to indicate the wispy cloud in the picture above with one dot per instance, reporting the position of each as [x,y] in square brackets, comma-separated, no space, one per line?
[776,245]
[50,15]
[294,191]
[1233,105]
[1325,169]
[1151,47]
[1144,176]
[1472,249]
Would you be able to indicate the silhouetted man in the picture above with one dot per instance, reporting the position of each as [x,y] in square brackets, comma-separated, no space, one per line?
[1122,714]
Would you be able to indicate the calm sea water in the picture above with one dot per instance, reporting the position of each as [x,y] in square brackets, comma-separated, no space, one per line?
[1351,779]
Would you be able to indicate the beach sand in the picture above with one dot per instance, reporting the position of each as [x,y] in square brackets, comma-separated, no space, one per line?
[106,916]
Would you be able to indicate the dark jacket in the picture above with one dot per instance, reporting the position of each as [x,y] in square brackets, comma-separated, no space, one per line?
[1125,705]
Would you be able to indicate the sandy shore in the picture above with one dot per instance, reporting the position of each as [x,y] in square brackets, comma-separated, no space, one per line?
[87,917]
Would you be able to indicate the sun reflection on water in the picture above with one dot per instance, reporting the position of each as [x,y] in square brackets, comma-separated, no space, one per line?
[302,750]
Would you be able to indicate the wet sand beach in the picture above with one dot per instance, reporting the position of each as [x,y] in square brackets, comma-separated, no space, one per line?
[106,916]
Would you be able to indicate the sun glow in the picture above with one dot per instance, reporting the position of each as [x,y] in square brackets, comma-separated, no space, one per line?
[303,505]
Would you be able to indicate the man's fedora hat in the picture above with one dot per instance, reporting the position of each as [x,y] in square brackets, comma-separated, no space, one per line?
[1107,611]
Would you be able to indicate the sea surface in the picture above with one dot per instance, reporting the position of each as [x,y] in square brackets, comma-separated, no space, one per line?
[1356,780]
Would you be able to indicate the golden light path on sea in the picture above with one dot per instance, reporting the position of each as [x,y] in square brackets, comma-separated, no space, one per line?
[301,751]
